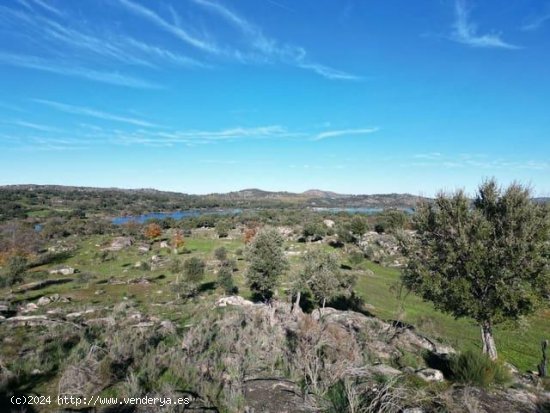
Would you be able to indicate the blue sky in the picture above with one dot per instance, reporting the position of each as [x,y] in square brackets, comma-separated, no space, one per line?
[199,96]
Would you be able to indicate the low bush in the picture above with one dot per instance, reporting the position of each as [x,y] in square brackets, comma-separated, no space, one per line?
[477,369]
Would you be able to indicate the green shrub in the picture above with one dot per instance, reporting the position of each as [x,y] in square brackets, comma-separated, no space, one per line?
[14,270]
[336,398]
[478,369]
[225,279]
[220,253]
[356,257]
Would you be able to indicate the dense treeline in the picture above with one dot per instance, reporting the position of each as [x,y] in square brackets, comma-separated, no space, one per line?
[31,200]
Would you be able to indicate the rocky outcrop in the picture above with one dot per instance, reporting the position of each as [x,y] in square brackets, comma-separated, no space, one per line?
[234,300]
[430,375]
[64,270]
[382,249]
[37,285]
[274,395]
[119,243]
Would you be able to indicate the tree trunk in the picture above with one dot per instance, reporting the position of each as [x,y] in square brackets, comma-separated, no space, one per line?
[489,347]
[296,309]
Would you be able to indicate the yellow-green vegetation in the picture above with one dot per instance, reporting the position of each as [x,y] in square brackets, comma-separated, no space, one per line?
[97,284]
[115,286]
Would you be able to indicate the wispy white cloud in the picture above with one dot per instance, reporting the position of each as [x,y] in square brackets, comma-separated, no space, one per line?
[536,22]
[465,31]
[173,29]
[328,72]
[197,137]
[270,49]
[35,126]
[113,78]
[94,113]
[344,132]
[47,6]
[151,136]
[431,155]
[78,37]
[479,161]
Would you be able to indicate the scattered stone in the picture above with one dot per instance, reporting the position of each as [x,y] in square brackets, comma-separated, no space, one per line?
[43,301]
[29,320]
[233,300]
[119,243]
[144,324]
[384,370]
[135,316]
[99,292]
[105,321]
[79,314]
[65,270]
[292,253]
[144,248]
[329,223]
[274,396]
[428,374]
[29,308]
[37,285]
[285,231]
[164,244]
[167,327]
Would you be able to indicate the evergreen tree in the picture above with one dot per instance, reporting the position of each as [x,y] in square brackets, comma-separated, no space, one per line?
[487,260]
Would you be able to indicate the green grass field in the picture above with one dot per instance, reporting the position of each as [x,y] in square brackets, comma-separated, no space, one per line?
[517,344]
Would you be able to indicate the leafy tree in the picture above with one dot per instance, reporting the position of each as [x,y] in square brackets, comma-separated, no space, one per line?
[313,229]
[392,220]
[225,278]
[177,241]
[18,239]
[359,226]
[15,268]
[193,274]
[345,236]
[220,253]
[153,230]
[193,269]
[222,229]
[322,276]
[487,260]
[249,234]
[266,262]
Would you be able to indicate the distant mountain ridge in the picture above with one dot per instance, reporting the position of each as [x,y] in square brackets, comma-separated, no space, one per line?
[311,198]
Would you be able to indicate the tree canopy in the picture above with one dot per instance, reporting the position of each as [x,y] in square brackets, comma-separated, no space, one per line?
[322,276]
[487,259]
[266,262]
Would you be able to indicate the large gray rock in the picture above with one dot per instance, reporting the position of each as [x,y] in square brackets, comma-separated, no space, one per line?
[274,396]
[233,300]
[119,243]
[384,370]
[431,375]
[65,270]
